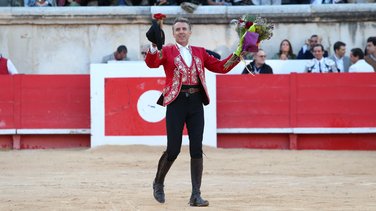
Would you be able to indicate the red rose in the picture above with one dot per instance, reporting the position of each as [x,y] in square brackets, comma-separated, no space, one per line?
[159,16]
[248,24]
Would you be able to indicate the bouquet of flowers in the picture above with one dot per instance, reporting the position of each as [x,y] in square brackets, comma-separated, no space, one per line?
[251,30]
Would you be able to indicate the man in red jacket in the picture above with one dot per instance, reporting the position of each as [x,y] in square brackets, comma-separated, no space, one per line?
[7,67]
[184,94]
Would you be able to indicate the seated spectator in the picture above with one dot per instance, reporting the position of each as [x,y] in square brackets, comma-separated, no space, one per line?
[119,55]
[296,1]
[163,2]
[328,1]
[219,2]
[285,51]
[266,2]
[71,3]
[41,3]
[371,52]
[359,64]
[258,66]
[7,67]
[11,3]
[306,52]
[320,64]
[342,61]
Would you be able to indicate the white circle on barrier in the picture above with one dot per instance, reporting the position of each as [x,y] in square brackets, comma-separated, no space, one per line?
[148,108]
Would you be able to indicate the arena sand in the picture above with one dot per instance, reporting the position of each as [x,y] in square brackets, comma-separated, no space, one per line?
[120,178]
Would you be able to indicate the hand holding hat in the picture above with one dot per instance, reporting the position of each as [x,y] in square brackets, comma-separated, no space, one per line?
[155,34]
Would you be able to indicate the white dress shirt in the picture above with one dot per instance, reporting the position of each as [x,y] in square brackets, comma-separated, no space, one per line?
[361,66]
[318,66]
[185,52]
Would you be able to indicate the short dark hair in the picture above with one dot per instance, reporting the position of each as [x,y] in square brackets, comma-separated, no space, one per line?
[372,40]
[181,19]
[122,48]
[314,35]
[357,52]
[338,45]
[319,45]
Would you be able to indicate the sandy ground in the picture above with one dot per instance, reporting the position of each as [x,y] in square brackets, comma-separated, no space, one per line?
[120,178]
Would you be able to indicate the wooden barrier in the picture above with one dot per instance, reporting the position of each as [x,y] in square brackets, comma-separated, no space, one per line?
[290,111]
[44,111]
[297,111]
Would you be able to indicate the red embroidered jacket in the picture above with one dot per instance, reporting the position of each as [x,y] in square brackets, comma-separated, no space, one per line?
[175,69]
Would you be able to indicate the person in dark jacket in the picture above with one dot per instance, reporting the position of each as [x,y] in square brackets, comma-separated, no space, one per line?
[258,66]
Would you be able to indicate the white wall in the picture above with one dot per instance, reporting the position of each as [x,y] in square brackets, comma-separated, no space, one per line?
[42,41]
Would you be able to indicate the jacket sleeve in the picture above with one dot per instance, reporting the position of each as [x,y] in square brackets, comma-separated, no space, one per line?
[217,66]
[153,60]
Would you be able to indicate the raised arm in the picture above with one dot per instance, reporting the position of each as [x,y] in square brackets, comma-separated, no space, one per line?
[153,57]
[217,66]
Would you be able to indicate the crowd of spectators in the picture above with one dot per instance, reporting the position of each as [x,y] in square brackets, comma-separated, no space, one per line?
[51,3]
[318,59]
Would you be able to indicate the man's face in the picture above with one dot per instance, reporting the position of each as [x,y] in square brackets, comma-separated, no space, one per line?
[181,33]
[353,58]
[313,41]
[260,58]
[318,52]
[341,51]
[371,48]
[121,55]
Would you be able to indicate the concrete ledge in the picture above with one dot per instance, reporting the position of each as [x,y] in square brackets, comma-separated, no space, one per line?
[203,14]
[7,131]
[311,130]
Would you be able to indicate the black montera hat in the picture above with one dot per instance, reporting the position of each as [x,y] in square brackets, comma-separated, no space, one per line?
[156,35]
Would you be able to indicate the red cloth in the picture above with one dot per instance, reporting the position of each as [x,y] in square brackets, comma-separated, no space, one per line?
[175,69]
[3,66]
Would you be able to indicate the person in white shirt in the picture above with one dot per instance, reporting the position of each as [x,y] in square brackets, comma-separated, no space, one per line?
[7,67]
[359,64]
[320,64]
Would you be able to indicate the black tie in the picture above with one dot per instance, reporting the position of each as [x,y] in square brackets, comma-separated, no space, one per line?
[320,67]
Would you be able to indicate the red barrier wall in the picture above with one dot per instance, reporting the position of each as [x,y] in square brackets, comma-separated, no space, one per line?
[297,101]
[45,102]
[243,101]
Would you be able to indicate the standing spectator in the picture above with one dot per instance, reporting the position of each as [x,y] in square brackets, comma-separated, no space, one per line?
[306,52]
[119,55]
[371,52]
[320,64]
[7,67]
[285,51]
[359,65]
[342,61]
[258,66]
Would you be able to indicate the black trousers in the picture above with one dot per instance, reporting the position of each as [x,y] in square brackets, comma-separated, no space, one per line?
[185,109]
